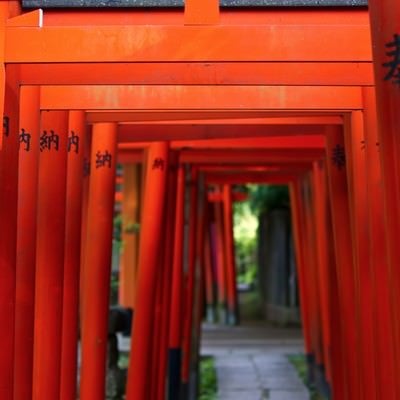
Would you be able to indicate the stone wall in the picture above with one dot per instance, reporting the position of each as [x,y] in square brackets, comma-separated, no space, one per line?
[277,269]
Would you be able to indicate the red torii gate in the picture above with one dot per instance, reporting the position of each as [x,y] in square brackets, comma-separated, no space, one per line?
[31,51]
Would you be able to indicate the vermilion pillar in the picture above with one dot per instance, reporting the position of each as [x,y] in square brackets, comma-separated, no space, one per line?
[85,199]
[221,261]
[209,271]
[26,241]
[309,274]
[190,283]
[72,259]
[298,231]
[150,242]
[50,254]
[157,317]
[385,28]
[97,269]
[175,331]
[357,182]
[337,349]
[168,274]
[326,276]
[199,294]
[130,234]
[347,289]
[384,306]
[230,256]
[8,230]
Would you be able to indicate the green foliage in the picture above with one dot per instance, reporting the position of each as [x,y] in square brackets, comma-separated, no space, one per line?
[245,234]
[123,361]
[268,197]
[132,227]
[208,379]
[117,233]
[261,199]
[299,362]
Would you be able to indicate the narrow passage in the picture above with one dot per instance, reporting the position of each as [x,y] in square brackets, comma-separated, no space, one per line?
[252,361]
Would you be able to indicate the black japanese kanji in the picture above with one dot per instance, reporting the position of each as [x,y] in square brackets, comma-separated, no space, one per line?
[394,64]
[6,126]
[103,159]
[339,156]
[73,140]
[86,167]
[158,163]
[25,138]
[46,141]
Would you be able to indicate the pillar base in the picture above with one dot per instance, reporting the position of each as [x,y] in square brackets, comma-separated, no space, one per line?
[184,392]
[174,373]
[231,318]
[222,314]
[322,385]
[310,359]
[210,314]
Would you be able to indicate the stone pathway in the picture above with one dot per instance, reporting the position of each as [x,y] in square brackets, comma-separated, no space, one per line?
[252,363]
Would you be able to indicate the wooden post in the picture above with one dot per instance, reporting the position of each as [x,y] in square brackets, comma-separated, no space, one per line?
[221,262]
[190,286]
[298,233]
[349,295]
[72,258]
[320,200]
[50,254]
[384,305]
[168,271]
[130,234]
[175,331]
[209,270]
[385,34]
[85,200]
[8,229]
[29,125]
[233,317]
[150,238]
[97,269]
[357,182]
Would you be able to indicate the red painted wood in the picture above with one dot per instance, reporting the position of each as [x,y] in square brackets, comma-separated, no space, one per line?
[175,332]
[220,262]
[50,257]
[319,193]
[26,243]
[347,289]
[72,257]
[298,231]
[357,183]
[97,264]
[152,217]
[167,275]
[385,24]
[233,317]
[190,285]
[8,229]
[384,305]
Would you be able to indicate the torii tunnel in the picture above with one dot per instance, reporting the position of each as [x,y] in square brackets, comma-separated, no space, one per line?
[193,100]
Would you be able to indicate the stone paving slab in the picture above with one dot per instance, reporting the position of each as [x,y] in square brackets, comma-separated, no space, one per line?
[289,395]
[252,363]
